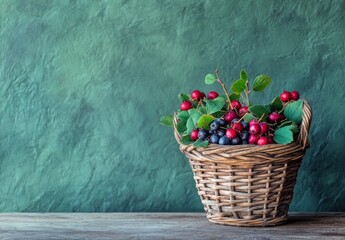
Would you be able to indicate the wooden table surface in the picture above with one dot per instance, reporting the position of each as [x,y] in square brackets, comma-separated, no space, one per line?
[161,226]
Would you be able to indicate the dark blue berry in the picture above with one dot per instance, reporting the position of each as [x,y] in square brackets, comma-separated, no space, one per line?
[214,125]
[222,122]
[203,133]
[244,135]
[236,141]
[214,138]
[244,142]
[245,124]
[221,133]
[211,132]
[235,120]
[224,141]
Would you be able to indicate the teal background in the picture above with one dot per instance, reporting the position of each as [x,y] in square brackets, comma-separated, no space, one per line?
[83,84]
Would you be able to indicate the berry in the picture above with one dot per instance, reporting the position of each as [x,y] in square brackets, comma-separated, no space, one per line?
[294,95]
[196,95]
[252,139]
[244,142]
[221,122]
[214,125]
[194,134]
[236,141]
[210,132]
[244,135]
[245,124]
[274,117]
[270,140]
[214,138]
[255,129]
[262,141]
[235,120]
[231,133]
[243,110]
[203,134]
[221,133]
[212,95]
[238,127]
[224,141]
[186,105]
[230,116]
[264,127]
[285,96]
[236,104]
[203,95]
[253,121]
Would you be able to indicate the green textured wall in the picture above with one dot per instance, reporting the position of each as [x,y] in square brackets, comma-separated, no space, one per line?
[83,84]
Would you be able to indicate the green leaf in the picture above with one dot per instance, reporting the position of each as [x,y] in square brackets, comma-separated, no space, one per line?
[190,125]
[205,121]
[283,135]
[203,110]
[238,86]
[183,117]
[213,106]
[181,127]
[219,114]
[186,140]
[210,79]
[261,82]
[234,96]
[258,110]
[195,115]
[248,117]
[167,121]
[243,75]
[294,111]
[276,104]
[200,143]
[183,97]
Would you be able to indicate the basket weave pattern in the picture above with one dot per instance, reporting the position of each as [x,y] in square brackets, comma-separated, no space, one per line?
[247,185]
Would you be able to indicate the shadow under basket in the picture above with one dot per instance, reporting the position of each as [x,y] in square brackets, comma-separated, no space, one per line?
[247,185]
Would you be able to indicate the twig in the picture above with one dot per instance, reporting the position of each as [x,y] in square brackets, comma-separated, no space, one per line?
[247,92]
[223,86]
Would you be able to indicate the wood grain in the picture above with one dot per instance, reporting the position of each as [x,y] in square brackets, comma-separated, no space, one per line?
[161,226]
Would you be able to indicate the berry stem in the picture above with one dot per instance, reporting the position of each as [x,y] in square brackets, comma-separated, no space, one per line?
[223,86]
[247,92]
[261,117]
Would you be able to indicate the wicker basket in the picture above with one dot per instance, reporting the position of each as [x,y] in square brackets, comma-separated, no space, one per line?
[247,185]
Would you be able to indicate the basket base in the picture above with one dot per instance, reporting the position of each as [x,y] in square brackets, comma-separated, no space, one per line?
[249,223]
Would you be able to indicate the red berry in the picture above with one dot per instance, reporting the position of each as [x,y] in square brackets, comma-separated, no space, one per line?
[243,110]
[230,116]
[253,121]
[196,95]
[212,95]
[262,141]
[255,129]
[285,96]
[203,95]
[238,126]
[231,133]
[186,105]
[295,95]
[252,139]
[236,104]
[274,117]
[264,127]
[194,134]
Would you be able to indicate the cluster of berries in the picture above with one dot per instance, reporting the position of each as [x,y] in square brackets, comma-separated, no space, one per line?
[196,95]
[231,129]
